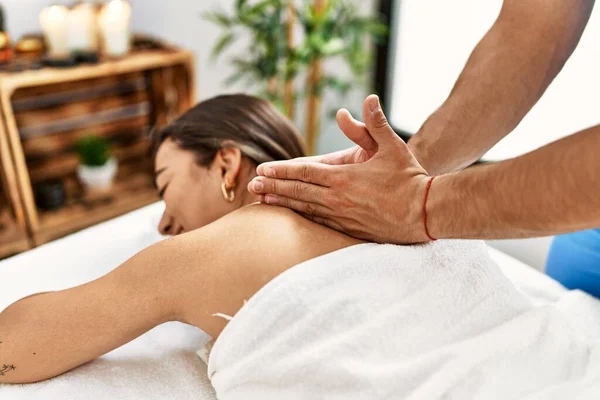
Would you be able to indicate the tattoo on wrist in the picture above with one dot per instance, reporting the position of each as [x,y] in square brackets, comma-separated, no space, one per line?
[6,368]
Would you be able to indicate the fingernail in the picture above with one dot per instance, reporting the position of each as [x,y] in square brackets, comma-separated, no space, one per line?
[270,199]
[374,106]
[258,186]
[269,172]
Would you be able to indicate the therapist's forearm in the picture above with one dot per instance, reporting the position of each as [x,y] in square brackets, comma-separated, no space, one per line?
[504,77]
[549,191]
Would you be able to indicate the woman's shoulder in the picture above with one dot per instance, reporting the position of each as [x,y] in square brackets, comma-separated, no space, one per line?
[283,226]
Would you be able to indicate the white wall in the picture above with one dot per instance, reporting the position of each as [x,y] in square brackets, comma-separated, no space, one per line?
[179,22]
[22,15]
[532,252]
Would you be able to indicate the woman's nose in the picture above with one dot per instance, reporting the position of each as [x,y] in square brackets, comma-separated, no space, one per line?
[168,226]
[165,225]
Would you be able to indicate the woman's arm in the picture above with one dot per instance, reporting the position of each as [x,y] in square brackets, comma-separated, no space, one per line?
[187,278]
[47,334]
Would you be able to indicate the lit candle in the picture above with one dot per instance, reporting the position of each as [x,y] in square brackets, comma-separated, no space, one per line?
[82,28]
[114,22]
[54,24]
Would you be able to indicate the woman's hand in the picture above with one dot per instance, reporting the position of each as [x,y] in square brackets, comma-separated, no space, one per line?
[373,191]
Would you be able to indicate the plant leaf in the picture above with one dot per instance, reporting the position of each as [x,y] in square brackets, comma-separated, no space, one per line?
[218,18]
[224,41]
[240,4]
[333,47]
[93,150]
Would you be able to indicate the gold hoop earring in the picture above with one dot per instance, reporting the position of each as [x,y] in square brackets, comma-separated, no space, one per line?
[228,195]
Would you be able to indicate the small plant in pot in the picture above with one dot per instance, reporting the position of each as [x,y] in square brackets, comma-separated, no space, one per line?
[97,168]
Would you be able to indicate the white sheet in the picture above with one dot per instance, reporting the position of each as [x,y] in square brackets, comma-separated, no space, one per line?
[94,252]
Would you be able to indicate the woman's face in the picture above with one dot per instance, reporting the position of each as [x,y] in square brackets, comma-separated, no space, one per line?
[193,193]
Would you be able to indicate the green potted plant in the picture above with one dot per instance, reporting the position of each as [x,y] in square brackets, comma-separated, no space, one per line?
[97,168]
[274,59]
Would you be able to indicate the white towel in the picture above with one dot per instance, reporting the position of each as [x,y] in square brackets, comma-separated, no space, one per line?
[390,322]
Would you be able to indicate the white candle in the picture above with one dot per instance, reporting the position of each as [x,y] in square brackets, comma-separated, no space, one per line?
[82,28]
[54,24]
[114,22]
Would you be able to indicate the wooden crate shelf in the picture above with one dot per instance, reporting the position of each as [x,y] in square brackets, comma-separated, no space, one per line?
[44,113]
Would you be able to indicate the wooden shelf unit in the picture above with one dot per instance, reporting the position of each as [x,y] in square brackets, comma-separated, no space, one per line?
[46,111]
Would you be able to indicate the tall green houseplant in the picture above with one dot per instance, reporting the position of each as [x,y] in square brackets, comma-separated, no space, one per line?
[328,29]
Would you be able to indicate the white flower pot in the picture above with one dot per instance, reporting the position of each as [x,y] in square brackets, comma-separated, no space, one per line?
[98,178]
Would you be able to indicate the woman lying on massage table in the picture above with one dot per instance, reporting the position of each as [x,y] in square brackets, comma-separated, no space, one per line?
[225,250]
[334,318]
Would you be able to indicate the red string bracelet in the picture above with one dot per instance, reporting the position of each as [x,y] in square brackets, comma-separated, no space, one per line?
[425,209]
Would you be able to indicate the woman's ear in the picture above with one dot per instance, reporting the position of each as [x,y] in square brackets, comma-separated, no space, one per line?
[229,162]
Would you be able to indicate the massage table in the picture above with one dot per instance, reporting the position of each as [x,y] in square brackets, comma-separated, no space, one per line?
[163,363]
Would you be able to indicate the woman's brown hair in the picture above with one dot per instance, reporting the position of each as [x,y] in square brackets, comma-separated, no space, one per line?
[253,125]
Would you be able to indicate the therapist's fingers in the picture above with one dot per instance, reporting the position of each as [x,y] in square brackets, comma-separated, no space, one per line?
[292,189]
[336,158]
[312,209]
[319,174]
[356,131]
[380,129]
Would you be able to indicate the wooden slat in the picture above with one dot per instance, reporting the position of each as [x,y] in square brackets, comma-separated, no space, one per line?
[41,117]
[158,115]
[52,144]
[73,188]
[56,97]
[181,77]
[77,122]
[8,177]
[141,61]
[28,97]
[127,196]
[18,157]
[65,165]
[13,231]
[135,166]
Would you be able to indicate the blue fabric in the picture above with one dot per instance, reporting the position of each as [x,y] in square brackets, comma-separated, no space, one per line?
[574,261]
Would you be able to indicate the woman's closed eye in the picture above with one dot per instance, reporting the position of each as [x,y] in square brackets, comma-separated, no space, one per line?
[162,191]
[157,173]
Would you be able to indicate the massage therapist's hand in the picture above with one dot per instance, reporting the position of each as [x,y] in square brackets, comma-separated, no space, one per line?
[374,191]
